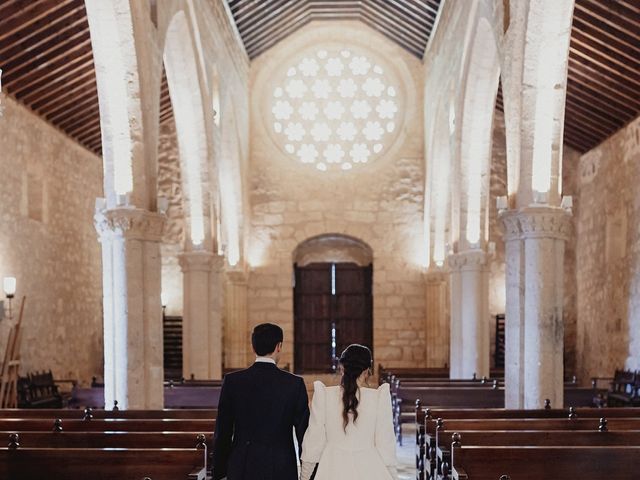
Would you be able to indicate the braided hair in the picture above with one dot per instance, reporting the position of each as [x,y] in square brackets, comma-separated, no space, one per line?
[354,360]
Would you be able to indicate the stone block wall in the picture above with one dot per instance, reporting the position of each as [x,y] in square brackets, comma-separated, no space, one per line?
[48,242]
[608,255]
[380,204]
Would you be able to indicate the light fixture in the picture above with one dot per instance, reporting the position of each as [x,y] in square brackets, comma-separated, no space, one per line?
[9,286]
[567,203]
[502,203]
[163,299]
[163,204]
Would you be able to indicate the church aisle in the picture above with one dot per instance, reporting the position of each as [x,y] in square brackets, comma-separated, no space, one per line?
[406,454]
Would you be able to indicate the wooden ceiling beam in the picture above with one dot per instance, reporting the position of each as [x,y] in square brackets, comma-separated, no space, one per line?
[50,53]
[604,38]
[51,77]
[623,66]
[420,20]
[385,16]
[605,66]
[593,116]
[79,116]
[17,43]
[59,115]
[599,97]
[79,86]
[586,75]
[81,129]
[604,25]
[57,65]
[59,85]
[23,14]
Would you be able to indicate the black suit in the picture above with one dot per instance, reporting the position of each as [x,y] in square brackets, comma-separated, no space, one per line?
[258,410]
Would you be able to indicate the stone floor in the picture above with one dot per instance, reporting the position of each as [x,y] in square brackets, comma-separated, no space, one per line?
[406,454]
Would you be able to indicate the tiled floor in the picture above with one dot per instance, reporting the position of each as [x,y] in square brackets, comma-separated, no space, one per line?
[406,454]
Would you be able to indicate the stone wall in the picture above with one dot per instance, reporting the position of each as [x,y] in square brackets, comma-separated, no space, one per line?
[608,255]
[170,186]
[48,242]
[380,204]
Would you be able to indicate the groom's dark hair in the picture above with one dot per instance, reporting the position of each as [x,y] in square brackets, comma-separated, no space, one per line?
[265,337]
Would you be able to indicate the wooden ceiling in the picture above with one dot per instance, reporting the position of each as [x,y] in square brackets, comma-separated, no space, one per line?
[603,83]
[263,23]
[47,62]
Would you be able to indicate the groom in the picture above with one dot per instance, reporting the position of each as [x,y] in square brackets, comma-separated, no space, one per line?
[258,410]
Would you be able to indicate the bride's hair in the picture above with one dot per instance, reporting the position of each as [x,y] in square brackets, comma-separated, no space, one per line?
[354,360]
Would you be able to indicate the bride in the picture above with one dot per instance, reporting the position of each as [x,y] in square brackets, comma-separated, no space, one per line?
[350,434]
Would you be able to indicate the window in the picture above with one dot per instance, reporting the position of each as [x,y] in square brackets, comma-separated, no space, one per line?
[335,109]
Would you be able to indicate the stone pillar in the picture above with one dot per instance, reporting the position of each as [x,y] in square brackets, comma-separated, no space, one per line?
[133,346]
[537,304]
[202,321]
[236,334]
[470,303]
[437,310]
[514,312]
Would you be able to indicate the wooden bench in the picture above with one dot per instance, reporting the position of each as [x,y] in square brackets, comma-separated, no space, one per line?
[528,438]
[426,434]
[175,397]
[107,439]
[107,425]
[99,414]
[537,463]
[101,464]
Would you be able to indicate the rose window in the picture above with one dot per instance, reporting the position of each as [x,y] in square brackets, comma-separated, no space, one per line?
[335,109]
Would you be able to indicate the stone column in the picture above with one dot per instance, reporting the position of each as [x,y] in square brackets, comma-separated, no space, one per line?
[470,302]
[237,341]
[437,310]
[535,274]
[202,321]
[133,348]
[514,312]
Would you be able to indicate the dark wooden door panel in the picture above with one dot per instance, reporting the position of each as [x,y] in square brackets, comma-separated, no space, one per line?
[322,301]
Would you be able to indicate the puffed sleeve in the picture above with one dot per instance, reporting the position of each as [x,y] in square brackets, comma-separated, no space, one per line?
[316,436]
[385,437]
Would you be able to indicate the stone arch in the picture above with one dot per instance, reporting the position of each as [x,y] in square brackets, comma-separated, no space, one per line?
[128,113]
[184,79]
[480,92]
[230,185]
[333,248]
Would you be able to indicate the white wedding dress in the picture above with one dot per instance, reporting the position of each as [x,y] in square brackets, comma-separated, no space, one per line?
[367,451]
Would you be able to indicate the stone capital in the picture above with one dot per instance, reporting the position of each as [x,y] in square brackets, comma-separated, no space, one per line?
[468,260]
[196,261]
[237,276]
[536,222]
[435,276]
[130,224]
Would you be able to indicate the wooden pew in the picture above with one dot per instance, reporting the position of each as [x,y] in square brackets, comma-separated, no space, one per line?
[98,413]
[176,396]
[107,425]
[101,464]
[528,438]
[429,419]
[107,439]
[536,463]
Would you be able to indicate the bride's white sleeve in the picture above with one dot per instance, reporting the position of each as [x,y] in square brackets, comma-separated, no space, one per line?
[385,437]
[315,438]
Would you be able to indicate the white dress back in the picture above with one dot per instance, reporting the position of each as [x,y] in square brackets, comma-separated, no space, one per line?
[367,449]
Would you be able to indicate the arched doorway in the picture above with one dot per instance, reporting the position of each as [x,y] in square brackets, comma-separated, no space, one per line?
[332,300]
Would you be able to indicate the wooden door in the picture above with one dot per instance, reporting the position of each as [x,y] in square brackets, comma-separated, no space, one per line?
[331,302]
[312,318]
[353,311]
